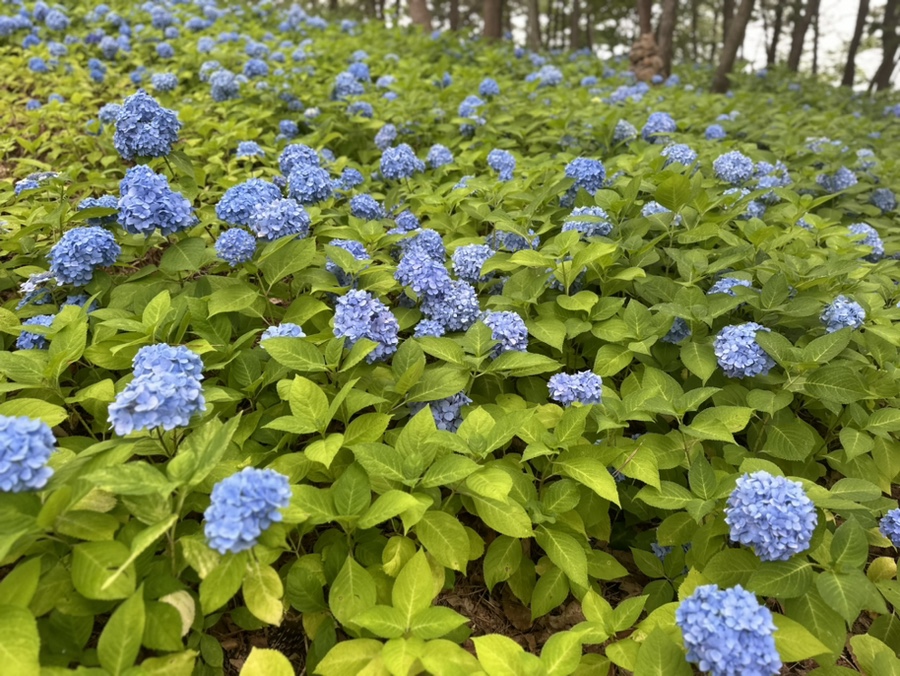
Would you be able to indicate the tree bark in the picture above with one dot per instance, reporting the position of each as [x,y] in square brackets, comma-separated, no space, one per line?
[534,25]
[667,33]
[575,26]
[714,41]
[815,63]
[882,79]
[727,16]
[333,5]
[695,37]
[850,66]
[801,25]
[420,14]
[454,15]
[733,41]
[589,29]
[645,16]
[772,52]
[493,19]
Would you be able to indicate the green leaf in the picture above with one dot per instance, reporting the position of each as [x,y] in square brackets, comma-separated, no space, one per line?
[591,473]
[444,537]
[94,562]
[825,348]
[18,586]
[702,478]
[349,657]
[719,423]
[551,590]
[699,360]
[120,641]
[263,590]
[564,551]
[139,544]
[352,592]
[352,493]
[782,579]
[201,451]
[222,582]
[499,655]
[731,567]
[845,592]
[507,518]
[20,647]
[438,383]
[309,405]
[155,312]
[449,470]
[883,421]
[561,654]
[435,622]
[849,548]
[186,255]
[794,642]
[296,353]
[266,662]
[285,257]
[36,409]
[414,588]
[133,478]
[812,613]
[522,364]
[383,621]
[232,299]
[838,383]
[385,507]
[445,349]
[502,559]
[674,192]
[659,655]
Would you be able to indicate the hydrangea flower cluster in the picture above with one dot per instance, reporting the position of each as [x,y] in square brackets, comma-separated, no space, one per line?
[679,153]
[296,155]
[468,261]
[224,85]
[884,199]
[164,82]
[243,506]
[583,387]
[367,208]
[624,131]
[509,329]
[28,340]
[421,272]
[165,391]
[358,314]
[871,239]
[280,218]
[386,136]
[80,250]
[439,156]
[842,179]
[309,184]
[489,88]
[589,221]
[455,308]
[738,353]
[503,163]
[727,284]
[588,174]
[890,526]
[658,126]
[235,246]
[144,128]
[429,327]
[446,412]
[842,313]
[771,514]
[241,202]
[728,633]
[400,162]
[733,167]
[429,241]
[652,208]
[104,202]
[25,447]
[355,249]
[249,149]
[715,132]
[503,240]
[146,202]
[680,331]
[283,330]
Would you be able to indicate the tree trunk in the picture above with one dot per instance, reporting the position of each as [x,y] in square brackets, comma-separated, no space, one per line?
[333,5]
[645,16]
[667,34]
[850,66]
[815,63]
[534,25]
[772,52]
[558,18]
[727,16]
[695,37]
[493,19]
[454,15]
[733,41]
[882,79]
[575,26]
[714,41]
[589,30]
[800,27]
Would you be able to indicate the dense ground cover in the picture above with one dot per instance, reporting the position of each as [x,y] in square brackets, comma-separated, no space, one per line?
[410,354]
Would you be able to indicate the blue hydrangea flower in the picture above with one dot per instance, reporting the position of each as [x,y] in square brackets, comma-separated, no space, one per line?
[425,275]
[367,208]
[679,153]
[469,106]
[279,218]
[80,250]
[715,132]
[346,85]
[488,88]
[406,221]
[871,239]
[842,179]
[56,20]
[440,156]
[255,68]
[884,199]
[624,131]
[37,65]
[509,329]
[446,412]
[652,208]
[657,127]
[503,163]
[165,51]
[156,399]
[358,314]
[109,112]
[249,149]
[355,249]
[842,313]
[163,358]
[771,514]
[503,240]
[468,261]
[25,447]
[164,82]
[588,174]
[283,330]
[738,353]
[547,76]
[146,202]
[309,184]
[224,85]
[583,387]
[890,526]
[429,241]
[34,341]
[144,128]
[362,108]
[727,284]
[728,633]
[455,307]
[429,327]
[240,202]
[243,506]
[589,221]
[733,167]
[360,71]
[386,136]
[104,202]
[680,331]
[295,155]
[235,246]
[400,162]
[34,181]
[350,178]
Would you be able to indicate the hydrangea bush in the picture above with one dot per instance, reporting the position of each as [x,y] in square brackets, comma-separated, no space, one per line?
[332,326]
